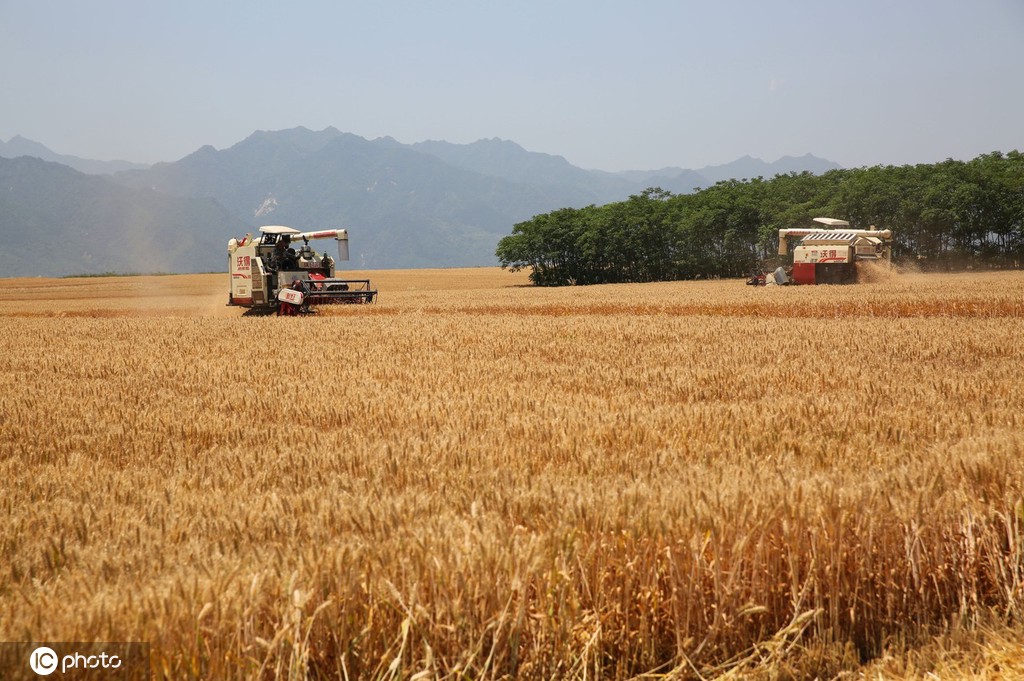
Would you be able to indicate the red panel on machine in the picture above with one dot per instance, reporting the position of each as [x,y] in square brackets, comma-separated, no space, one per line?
[803,272]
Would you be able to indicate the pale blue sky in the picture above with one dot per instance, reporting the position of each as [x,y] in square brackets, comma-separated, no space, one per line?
[609,85]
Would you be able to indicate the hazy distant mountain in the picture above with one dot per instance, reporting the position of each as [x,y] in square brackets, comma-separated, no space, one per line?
[749,168]
[508,160]
[55,221]
[681,180]
[675,180]
[19,146]
[233,175]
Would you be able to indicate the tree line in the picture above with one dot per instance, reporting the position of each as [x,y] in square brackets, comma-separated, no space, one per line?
[944,215]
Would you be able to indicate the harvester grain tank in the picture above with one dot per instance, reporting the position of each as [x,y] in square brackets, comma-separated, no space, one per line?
[830,255]
[273,270]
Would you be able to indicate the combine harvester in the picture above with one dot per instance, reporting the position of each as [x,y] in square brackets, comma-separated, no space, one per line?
[830,256]
[268,275]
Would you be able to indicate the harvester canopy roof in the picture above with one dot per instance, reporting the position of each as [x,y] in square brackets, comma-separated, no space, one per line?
[278,229]
[832,222]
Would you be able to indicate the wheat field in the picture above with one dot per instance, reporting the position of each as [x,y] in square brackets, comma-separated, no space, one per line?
[475,478]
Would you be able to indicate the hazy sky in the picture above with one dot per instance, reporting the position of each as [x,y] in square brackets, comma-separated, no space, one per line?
[610,85]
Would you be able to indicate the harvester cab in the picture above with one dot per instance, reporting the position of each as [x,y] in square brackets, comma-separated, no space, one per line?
[830,255]
[264,271]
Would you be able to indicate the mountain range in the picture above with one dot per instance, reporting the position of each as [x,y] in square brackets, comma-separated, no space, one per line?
[429,204]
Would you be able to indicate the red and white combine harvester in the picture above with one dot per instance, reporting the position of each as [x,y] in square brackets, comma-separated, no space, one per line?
[269,275]
[830,255]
